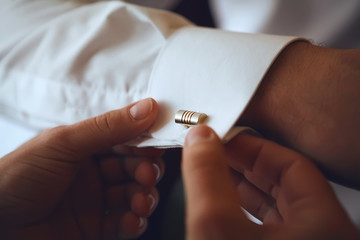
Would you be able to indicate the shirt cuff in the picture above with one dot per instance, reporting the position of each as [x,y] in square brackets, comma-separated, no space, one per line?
[208,71]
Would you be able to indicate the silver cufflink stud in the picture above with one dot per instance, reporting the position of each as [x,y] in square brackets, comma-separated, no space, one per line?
[189,118]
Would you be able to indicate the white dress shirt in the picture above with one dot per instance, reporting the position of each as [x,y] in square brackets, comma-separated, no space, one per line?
[62,61]
[68,61]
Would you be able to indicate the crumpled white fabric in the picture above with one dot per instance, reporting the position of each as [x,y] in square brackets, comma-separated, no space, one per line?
[68,61]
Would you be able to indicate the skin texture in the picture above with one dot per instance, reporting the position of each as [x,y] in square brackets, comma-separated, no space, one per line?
[309,101]
[79,182]
[279,186]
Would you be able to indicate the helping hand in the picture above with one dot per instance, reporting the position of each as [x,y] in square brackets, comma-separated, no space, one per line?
[277,185]
[76,182]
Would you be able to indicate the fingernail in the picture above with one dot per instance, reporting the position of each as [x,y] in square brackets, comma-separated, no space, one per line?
[141,109]
[197,134]
[152,202]
[250,131]
[157,171]
[141,222]
[141,227]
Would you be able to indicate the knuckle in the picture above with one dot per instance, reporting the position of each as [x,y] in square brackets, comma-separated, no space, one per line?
[103,122]
[203,158]
[56,140]
[210,220]
[203,152]
[58,133]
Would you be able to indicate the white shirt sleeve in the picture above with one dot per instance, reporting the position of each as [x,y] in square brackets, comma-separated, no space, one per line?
[62,62]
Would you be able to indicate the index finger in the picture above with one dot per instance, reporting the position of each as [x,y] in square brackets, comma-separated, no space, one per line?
[285,174]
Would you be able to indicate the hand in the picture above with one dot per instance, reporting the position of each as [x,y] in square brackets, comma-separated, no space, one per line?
[280,187]
[77,182]
[309,101]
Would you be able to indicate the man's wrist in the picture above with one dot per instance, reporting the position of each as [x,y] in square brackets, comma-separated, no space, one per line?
[269,111]
[308,101]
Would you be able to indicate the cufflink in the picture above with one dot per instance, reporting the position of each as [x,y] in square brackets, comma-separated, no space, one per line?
[189,118]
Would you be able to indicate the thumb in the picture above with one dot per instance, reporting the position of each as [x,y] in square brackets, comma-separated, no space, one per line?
[109,129]
[212,205]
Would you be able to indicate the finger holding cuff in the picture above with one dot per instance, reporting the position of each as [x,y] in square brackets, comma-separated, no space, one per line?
[212,205]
